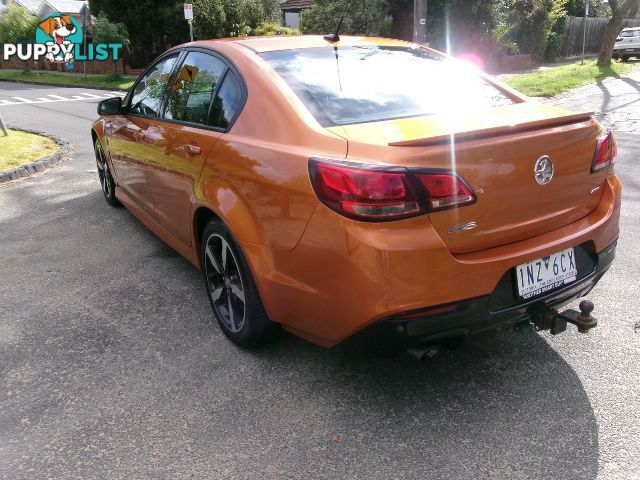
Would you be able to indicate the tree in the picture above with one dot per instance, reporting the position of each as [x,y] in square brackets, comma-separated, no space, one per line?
[153,25]
[365,17]
[530,26]
[619,11]
[230,18]
[105,31]
[17,25]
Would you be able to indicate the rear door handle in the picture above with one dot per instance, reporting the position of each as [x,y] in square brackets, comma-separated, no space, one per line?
[190,149]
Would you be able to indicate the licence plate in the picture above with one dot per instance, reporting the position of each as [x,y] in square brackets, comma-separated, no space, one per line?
[546,273]
[630,50]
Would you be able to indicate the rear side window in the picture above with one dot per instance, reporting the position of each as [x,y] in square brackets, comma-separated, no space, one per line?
[148,92]
[345,85]
[228,101]
[630,33]
[193,88]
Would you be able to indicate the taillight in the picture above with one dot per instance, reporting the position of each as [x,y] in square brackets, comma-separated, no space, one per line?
[385,193]
[606,151]
[446,190]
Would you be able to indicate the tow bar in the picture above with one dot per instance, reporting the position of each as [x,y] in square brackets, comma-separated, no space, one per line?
[556,322]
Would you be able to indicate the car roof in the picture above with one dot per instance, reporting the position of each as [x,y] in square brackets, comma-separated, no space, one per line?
[295,42]
[630,28]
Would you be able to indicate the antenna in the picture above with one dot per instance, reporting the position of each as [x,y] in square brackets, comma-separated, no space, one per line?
[335,37]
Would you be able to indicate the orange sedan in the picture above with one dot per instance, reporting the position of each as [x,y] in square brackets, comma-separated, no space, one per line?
[325,187]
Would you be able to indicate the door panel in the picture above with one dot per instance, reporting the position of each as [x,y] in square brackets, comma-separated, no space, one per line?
[128,159]
[176,156]
[129,153]
[181,142]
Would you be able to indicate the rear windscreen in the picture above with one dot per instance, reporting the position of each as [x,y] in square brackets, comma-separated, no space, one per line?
[346,85]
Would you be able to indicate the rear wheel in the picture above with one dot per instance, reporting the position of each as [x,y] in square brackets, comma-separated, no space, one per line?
[232,291]
[625,58]
[104,175]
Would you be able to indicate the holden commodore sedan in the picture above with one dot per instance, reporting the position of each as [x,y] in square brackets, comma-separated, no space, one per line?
[329,186]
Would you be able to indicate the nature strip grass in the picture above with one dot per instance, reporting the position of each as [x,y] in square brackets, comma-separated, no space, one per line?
[20,148]
[552,81]
[110,81]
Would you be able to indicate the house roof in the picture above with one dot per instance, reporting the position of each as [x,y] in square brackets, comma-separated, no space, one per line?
[296,4]
[31,5]
[64,6]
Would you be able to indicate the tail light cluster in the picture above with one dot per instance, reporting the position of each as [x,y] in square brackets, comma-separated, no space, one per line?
[605,154]
[386,193]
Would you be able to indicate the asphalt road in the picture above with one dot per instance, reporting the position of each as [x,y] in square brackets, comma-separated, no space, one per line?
[111,365]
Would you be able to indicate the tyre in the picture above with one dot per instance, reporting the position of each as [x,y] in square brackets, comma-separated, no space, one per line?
[625,58]
[104,175]
[232,291]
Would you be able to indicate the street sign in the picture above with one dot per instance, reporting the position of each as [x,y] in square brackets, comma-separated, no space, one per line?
[188,11]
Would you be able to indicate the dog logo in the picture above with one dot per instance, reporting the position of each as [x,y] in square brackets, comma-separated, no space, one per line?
[60,33]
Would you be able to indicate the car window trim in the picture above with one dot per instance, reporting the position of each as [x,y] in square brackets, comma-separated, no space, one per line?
[128,98]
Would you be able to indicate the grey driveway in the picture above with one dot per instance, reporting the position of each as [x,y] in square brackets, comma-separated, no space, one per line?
[111,365]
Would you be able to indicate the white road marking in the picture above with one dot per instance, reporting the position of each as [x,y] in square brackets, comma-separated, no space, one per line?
[86,96]
[90,95]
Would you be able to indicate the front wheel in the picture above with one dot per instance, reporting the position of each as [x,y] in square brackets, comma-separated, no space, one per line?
[107,183]
[232,291]
[625,58]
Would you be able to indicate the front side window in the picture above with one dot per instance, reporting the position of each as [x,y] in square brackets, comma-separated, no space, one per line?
[146,98]
[369,83]
[193,87]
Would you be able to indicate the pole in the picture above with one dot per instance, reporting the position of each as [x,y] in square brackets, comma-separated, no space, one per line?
[420,21]
[191,29]
[3,128]
[84,42]
[584,29]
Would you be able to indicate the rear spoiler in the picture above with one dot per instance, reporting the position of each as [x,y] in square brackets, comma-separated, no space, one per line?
[494,131]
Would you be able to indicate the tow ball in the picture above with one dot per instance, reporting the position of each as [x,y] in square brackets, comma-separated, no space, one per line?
[556,322]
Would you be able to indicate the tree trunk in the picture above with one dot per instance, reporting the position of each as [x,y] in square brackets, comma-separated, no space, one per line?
[611,33]
[402,19]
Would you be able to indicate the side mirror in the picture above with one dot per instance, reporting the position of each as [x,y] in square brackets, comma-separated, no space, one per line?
[110,106]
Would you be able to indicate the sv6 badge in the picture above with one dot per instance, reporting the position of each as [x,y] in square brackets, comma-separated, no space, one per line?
[460,228]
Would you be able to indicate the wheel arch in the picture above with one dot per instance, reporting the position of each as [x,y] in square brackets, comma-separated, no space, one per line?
[238,224]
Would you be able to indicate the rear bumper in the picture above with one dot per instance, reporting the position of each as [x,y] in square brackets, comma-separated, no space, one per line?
[499,309]
[345,275]
[619,51]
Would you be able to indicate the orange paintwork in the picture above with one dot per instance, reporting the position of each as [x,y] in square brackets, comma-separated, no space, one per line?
[323,276]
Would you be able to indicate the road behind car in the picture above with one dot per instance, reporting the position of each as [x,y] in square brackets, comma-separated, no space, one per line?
[112,366]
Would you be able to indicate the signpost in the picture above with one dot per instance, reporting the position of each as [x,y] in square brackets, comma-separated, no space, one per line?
[584,29]
[188,15]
